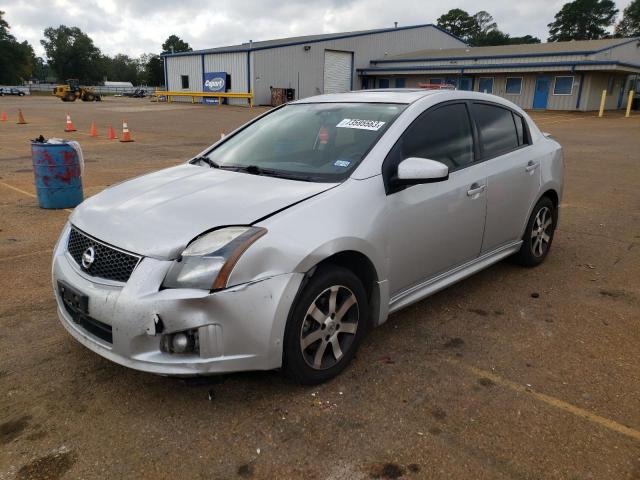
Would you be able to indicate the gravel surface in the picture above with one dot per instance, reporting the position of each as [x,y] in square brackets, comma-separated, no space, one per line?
[513,373]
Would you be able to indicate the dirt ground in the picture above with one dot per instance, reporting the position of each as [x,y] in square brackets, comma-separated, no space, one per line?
[513,373]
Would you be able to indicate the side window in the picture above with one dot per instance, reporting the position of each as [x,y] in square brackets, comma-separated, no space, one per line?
[185,81]
[496,128]
[521,130]
[443,134]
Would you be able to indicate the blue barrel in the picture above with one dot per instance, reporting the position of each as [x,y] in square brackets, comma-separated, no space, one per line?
[56,167]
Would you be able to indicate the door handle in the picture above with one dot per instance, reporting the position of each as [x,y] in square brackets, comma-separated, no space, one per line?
[531,166]
[475,189]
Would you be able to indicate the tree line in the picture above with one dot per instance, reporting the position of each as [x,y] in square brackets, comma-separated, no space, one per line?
[71,53]
[576,20]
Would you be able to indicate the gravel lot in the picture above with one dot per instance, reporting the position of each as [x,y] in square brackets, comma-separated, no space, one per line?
[512,373]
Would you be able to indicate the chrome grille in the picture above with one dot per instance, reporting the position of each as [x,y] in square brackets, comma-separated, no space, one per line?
[109,263]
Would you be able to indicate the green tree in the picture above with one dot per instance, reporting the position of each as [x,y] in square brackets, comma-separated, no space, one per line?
[16,58]
[459,23]
[175,44]
[72,54]
[121,68]
[484,23]
[629,26]
[479,30]
[583,20]
[524,39]
[152,69]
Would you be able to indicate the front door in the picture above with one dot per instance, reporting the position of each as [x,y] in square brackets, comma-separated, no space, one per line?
[485,84]
[541,94]
[465,83]
[435,227]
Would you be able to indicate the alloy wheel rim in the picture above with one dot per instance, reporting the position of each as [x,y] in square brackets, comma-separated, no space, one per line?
[541,232]
[329,327]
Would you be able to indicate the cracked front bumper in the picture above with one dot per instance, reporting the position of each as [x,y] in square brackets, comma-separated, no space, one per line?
[240,328]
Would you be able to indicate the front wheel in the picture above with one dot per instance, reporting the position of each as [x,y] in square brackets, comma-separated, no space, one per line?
[325,326]
[538,235]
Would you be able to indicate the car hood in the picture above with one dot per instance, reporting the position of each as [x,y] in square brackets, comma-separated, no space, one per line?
[156,215]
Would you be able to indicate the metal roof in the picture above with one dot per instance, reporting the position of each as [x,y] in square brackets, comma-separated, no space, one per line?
[284,42]
[576,47]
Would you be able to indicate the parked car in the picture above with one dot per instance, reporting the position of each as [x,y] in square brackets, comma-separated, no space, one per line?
[12,91]
[137,93]
[282,244]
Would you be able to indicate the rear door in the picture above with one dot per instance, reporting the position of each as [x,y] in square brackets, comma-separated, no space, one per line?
[338,69]
[512,169]
[434,227]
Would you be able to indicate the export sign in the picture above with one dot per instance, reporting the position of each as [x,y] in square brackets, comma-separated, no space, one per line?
[214,82]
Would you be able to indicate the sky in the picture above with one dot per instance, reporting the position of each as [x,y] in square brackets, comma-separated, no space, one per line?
[134,27]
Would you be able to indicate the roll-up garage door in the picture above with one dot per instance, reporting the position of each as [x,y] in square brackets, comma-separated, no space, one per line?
[337,71]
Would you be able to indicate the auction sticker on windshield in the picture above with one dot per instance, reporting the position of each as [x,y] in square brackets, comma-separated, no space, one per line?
[360,124]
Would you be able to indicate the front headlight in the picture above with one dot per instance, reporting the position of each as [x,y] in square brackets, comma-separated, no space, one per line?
[207,262]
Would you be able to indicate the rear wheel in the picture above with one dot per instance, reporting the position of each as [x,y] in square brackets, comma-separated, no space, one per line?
[69,97]
[538,235]
[325,326]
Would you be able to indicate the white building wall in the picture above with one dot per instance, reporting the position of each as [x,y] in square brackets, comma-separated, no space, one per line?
[190,65]
[295,67]
[235,64]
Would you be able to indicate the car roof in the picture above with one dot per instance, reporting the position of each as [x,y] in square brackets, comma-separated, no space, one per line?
[402,96]
[379,95]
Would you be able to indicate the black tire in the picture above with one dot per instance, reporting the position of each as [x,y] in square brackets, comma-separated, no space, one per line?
[69,97]
[536,243]
[297,362]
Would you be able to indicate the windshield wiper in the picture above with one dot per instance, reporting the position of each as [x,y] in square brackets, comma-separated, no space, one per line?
[255,170]
[206,160]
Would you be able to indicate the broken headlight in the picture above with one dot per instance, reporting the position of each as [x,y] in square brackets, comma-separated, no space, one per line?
[207,261]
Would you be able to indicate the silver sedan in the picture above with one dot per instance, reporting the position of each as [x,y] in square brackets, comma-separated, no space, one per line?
[281,245]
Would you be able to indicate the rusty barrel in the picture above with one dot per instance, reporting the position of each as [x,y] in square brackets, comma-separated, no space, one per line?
[57,171]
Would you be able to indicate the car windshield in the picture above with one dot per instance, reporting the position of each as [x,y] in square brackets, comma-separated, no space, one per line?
[320,142]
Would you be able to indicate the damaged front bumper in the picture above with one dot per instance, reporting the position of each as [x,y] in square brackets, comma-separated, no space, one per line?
[239,328]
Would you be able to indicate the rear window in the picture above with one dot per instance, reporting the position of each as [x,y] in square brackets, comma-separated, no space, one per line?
[498,134]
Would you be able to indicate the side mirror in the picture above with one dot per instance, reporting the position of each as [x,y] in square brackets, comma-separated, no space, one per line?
[414,170]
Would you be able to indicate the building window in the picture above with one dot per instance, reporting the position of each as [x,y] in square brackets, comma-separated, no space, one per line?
[563,86]
[485,84]
[400,82]
[435,81]
[185,81]
[383,83]
[513,86]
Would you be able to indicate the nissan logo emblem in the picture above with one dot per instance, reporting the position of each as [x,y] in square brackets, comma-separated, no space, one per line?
[88,258]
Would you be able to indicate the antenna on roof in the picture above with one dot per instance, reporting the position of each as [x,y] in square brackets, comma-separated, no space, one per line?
[395,24]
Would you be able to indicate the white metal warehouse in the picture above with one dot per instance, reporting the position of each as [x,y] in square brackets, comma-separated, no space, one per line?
[311,64]
[553,76]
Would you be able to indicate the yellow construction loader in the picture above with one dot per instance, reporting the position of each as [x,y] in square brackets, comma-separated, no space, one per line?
[72,90]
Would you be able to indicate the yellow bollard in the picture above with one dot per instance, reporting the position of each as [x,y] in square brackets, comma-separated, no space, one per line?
[629,102]
[602,101]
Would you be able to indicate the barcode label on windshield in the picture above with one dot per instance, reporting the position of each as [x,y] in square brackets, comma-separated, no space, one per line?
[360,124]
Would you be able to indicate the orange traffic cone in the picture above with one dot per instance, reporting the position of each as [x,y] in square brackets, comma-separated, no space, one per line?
[69,127]
[112,134]
[93,132]
[20,118]
[3,118]
[126,135]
